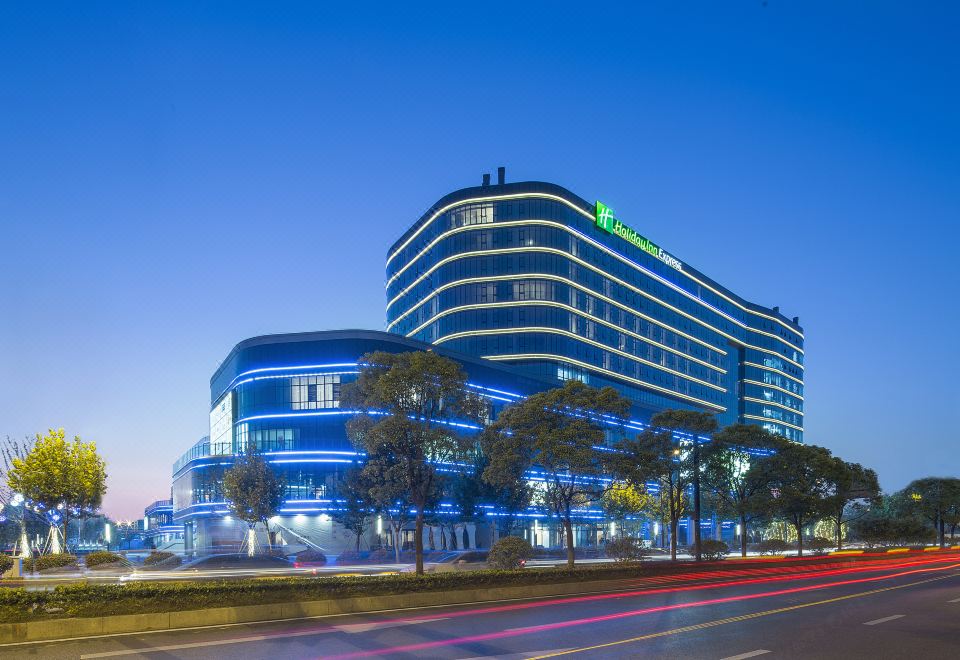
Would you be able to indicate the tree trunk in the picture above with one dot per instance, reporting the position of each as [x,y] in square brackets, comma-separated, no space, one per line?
[418,541]
[395,531]
[743,535]
[568,528]
[941,532]
[673,539]
[839,534]
[696,500]
[799,540]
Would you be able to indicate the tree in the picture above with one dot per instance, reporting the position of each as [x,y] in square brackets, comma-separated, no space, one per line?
[353,500]
[653,454]
[892,520]
[851,489]
[556,432]
[68,478]
[623,500]
[254,492]
[934,498]
[412,411]
[798,475]
[733,469]
[695,424]
[13,501]
[389,496]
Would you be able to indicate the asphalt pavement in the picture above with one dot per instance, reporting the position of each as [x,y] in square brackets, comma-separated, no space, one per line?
[905,609]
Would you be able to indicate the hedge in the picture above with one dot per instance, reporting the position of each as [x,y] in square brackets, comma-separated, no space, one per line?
[157,557]
[44,562]
[626,549]
[311,557]
[101,558]
[714,550]
[84,599]
[6,563]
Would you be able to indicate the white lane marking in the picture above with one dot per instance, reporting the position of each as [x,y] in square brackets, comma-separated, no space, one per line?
[884,619]
[354,628]
[519,656]
[194,645]
[347,628]
[955,600]
[749,654]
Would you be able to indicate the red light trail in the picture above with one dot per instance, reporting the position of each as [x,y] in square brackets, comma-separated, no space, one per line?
[639,612]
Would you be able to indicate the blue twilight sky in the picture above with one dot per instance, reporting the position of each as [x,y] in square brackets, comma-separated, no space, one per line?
[178,177]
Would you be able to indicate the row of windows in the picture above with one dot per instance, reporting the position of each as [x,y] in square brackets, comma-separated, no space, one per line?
[302,483]
[773,413]
[785,431]
[773,396]
[532,342]
[532,235]
[490,293]
[771,378]
[548,264]
[554,238]
[315,392]
[522,318]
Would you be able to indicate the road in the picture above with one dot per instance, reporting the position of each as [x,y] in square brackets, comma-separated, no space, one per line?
[903,609]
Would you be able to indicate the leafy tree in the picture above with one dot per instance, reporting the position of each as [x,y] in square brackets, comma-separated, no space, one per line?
[254,491]
[892,520]
[26,519]
[799,477]
[695,424]
[733,470]
[653,454]
[389,496]
[60,475]
[935,498]
[421,401]
[623,500]
[556,431]
[851,490]
[353,499]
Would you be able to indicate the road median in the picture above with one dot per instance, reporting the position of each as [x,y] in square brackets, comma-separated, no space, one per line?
[94,610]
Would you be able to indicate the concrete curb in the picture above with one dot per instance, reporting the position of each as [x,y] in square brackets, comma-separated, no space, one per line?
[35,631]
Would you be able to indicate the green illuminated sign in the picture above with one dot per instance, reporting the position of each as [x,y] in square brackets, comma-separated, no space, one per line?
[607,221]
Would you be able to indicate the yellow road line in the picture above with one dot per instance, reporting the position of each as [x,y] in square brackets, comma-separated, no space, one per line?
[734,619]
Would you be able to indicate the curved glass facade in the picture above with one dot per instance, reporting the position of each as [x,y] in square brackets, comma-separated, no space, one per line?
[281,394]
[531,275]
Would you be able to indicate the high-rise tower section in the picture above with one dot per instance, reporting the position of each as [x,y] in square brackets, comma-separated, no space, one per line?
[531,275]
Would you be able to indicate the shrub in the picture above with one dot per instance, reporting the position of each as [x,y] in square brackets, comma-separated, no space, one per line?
[45,562]
[156,557]
[102,557]
[6,563]
[310,557]
[626,548]
[714,550]
[773,547]
[510,552]
[818,545]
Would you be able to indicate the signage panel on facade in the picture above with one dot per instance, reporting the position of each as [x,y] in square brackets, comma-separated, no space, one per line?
[607,221]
